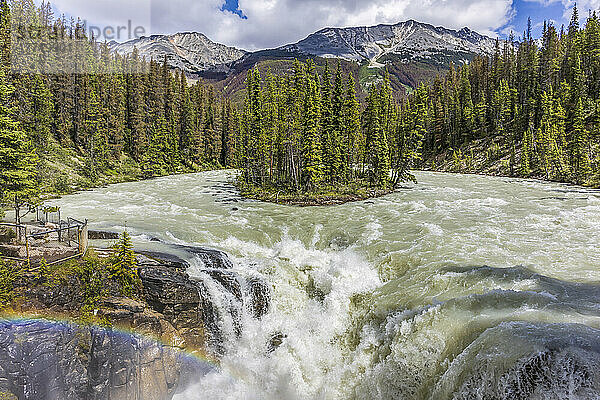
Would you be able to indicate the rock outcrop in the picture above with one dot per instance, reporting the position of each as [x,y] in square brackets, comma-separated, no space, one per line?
[172,294]
[191,52]
[187,302]
[409,40]
[43,360]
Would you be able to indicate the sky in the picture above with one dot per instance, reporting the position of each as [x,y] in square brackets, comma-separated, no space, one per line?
[260,24]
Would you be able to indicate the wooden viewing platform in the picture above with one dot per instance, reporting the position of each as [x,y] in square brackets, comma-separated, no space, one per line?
[55,243]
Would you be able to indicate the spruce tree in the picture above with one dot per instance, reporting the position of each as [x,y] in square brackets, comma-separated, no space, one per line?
[224,158]
[18,184]
[94,136]
[379,160]
[580,136]
[467,115]
[326,125]
[123,266]
[312,159]
[5,34]
[353,138]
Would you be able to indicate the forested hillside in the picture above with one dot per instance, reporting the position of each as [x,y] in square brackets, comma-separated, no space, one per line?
[119,118]
[530,110]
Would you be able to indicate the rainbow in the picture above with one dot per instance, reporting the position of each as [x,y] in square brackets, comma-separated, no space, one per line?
[63,322]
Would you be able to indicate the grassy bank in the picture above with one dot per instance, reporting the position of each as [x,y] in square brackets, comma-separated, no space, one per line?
[324,196]
[492,156]
[62,172]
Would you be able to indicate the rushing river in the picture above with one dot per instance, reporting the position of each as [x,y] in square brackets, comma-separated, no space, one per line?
[458,287]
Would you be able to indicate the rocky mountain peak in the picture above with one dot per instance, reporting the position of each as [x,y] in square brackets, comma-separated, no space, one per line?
[191,52]
[410,40]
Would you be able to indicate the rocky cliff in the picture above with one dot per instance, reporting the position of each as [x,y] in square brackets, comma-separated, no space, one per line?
[408,41]
[44,360]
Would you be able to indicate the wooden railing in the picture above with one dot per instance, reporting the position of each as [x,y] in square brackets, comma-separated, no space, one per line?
[24,238]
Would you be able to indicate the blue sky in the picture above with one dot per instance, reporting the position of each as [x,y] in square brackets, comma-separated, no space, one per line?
[538,12]
[260,24]
[234,7]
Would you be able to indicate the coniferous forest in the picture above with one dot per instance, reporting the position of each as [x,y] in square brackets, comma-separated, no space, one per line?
[307,132]
[532,109]
[533,106]
[122,118]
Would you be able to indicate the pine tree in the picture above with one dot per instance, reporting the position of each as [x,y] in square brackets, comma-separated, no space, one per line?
[353,139]
[526,153]
[211,147]
[467,116]
[334,145]
[94,135]
[580,135]
[312,163]
[18,184]
[270,127]
[545,134]
[5,34]
[330,151]
[225,157]
[154,161]
[256,149]
[123,267]
[41,108]
[379,160]
[135,134]
[592,55]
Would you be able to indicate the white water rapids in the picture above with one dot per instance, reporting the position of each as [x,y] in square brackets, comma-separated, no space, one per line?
[458,287]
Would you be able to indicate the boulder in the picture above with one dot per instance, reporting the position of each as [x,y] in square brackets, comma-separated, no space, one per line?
[179,299]
[210,258]
[102,235]
[260,295]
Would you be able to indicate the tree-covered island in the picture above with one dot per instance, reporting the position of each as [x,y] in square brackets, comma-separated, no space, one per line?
[307,140]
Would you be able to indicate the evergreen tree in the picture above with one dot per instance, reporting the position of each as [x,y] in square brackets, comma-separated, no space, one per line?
[580,135]
[94,136]
[312,164]
[379,160]
[123,266]
[5,34]
[18,184]
[353,139]
[467,115]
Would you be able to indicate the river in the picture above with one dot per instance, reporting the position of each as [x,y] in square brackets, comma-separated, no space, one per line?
[458,287]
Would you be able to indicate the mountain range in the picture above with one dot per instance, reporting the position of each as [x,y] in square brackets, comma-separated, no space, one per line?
[411,51]
[410,40]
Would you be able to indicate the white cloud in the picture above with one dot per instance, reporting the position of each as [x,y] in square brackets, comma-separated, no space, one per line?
[544,2]
[506,31]
[584,6]
[272,23]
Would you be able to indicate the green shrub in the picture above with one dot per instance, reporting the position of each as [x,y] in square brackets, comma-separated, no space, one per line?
[123,266]
[9,274]
[91,277]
